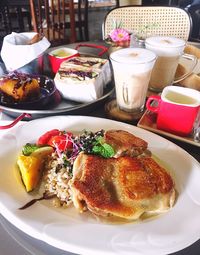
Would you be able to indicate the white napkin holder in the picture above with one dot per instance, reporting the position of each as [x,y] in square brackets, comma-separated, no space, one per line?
[17,53]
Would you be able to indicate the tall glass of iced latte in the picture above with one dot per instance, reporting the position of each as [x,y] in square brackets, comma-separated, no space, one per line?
[132,70]
[168,51]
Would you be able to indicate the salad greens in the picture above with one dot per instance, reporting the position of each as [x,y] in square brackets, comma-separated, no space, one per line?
[29,148]
[88,142]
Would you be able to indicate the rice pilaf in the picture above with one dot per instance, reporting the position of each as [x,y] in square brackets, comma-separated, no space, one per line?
[56,178]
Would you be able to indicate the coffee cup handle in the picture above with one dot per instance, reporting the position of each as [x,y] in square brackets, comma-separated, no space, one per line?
[194,60]
[150,104]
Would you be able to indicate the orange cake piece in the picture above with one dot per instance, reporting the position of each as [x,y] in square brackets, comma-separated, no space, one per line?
[20,87]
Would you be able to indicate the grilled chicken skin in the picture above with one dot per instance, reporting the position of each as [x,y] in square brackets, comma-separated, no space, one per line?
[124,143]
[124,187]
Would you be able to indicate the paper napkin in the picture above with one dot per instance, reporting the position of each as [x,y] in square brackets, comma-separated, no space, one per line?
[17,52]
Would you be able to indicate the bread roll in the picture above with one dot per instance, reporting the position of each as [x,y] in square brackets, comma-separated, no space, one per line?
[36,38]
[193,80]
[190,49]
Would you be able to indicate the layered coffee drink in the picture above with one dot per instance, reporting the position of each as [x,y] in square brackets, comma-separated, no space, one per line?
[132,70]
[168,51]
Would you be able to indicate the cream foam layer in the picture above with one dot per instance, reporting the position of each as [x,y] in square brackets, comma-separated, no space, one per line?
[133,56]
[136,59]
[165,45]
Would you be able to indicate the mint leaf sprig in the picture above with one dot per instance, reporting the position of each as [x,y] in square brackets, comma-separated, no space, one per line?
[103,149]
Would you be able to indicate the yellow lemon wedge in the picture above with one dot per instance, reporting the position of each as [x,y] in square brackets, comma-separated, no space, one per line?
[31,167]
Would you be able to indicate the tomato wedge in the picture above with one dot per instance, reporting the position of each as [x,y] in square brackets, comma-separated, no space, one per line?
[62,142]
[43,140]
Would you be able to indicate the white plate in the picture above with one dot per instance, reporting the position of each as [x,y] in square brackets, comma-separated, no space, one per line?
[14,241]
[81,233]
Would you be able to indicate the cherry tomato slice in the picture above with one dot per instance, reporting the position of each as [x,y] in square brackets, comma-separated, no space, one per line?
[62,142]
[43,139]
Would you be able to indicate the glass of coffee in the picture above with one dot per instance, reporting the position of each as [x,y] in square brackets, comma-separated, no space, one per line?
[168,51]
[132,71]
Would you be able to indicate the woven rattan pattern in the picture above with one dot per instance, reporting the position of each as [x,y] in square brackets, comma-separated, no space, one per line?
[170,21]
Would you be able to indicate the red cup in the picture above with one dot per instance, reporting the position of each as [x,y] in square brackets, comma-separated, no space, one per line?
[59,55]
[176,109]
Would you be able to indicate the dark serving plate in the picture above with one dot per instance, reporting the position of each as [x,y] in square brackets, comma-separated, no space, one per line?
[48,96]
[59,106]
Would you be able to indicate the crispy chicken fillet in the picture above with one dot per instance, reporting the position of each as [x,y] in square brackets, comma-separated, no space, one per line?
[124,143]
[125,187]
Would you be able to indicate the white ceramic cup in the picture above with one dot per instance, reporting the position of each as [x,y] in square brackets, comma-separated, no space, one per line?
[168,51]
[132,70]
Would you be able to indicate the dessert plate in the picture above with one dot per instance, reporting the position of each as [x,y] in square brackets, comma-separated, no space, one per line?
[60,106]
[82,233]
[48,95]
